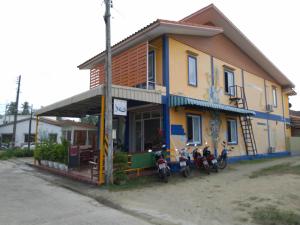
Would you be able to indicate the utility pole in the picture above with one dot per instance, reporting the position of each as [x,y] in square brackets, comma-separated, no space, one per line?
[16,113]
[29,129]
[108,97]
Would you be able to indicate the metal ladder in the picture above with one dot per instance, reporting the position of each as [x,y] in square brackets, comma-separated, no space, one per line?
[239,98]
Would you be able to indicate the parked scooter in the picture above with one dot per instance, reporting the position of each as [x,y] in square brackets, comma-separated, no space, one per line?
[223,158]
[163,169]
[184,162]
[212,161]
[200,161]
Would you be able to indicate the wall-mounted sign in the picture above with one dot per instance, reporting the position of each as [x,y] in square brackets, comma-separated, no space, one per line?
[120,107]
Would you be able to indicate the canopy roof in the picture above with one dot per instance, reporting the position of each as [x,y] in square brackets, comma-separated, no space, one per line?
[89,102]
[185,101]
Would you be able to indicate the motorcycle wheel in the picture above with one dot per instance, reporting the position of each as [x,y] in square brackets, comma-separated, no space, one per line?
[163,176]
[216,169]
[186,172]
[207,169]
[222,164]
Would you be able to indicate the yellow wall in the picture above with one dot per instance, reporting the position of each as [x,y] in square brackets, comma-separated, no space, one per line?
[219,68]
[178,57]
[255,93]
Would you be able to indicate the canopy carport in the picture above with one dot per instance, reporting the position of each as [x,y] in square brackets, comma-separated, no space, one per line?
[89,102]
[92,101]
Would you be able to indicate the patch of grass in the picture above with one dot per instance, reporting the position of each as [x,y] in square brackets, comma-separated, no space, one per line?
[285,168]
[135,183]
[270,215]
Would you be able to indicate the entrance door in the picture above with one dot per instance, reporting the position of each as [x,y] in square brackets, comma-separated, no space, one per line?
[152,137]
[146,132]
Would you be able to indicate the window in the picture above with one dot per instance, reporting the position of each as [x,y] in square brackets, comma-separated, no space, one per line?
[231,131]
[52,137]
[194,133]
[192,70]
[26,137]
[229,82]
[274,95]
[151,70]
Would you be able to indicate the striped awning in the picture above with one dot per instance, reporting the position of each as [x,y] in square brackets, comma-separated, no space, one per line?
[185,101]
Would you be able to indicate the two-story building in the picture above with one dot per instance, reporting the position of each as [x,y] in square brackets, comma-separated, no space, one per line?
[194,81]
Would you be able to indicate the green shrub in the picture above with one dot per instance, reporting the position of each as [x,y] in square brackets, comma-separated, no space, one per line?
[51,151]
[120,165]
[16,152]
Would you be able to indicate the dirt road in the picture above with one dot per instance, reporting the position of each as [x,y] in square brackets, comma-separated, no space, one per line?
[229,197]
[224,198]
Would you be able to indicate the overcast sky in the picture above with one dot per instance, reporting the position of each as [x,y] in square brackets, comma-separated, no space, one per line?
[45,40]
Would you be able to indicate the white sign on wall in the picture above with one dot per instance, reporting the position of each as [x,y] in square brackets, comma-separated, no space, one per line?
[120,107]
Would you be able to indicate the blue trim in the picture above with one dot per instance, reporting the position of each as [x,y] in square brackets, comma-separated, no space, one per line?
[268,116]
[177,129]
[233,77]
[235,159]
[196,64]
[127,133]
[187,138]
[236,129]
[152,53]
[166,109]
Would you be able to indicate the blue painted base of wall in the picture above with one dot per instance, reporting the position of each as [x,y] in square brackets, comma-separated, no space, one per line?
[235,159]
[175,168]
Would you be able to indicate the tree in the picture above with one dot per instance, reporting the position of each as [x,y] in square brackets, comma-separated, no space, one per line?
[25,109]
[90,120]
[11,108]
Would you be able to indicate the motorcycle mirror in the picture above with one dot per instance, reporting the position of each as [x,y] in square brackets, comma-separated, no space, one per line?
[150,150]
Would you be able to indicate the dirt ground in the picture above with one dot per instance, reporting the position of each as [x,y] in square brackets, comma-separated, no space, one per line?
[228,197]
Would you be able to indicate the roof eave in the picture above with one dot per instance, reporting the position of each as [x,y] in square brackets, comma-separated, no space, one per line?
[234,34]
[152,31]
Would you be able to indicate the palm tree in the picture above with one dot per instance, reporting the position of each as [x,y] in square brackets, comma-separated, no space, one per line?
[25,108]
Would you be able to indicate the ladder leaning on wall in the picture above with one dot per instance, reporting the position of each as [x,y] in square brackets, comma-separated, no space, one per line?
[239,98]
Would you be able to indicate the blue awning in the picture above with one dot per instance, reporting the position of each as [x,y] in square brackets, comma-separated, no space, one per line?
[185,101]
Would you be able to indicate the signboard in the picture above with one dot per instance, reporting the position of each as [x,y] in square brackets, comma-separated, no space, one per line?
[120,107]
[73,156]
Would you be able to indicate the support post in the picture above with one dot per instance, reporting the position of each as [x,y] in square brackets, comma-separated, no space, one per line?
[36,133]
[101,144]
[29,129]
[16,113]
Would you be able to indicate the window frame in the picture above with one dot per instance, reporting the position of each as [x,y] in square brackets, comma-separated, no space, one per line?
[196,70]
[198,143]
[227,70]
[151,53]
[236,133]
[32,138]
[53,134]
[274,97]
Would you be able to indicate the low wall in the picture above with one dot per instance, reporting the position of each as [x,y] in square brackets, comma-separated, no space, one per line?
[294,145]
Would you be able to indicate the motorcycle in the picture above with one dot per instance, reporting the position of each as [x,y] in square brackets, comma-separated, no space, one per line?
[200,161]
[223,158]
[163,169]
[184,162]
[212,161]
